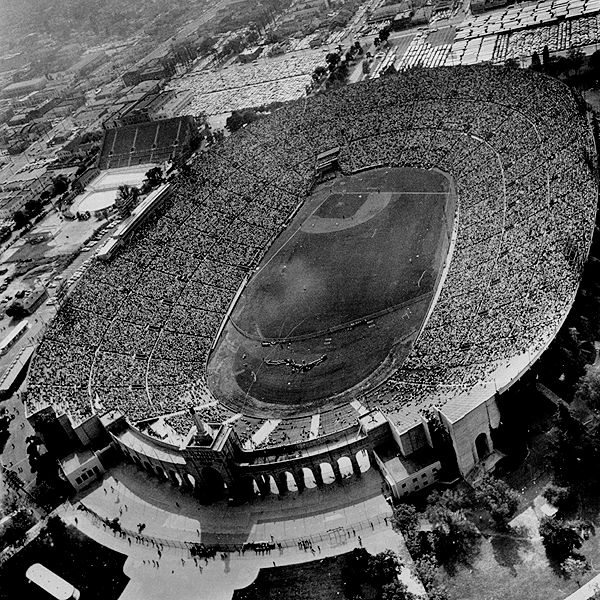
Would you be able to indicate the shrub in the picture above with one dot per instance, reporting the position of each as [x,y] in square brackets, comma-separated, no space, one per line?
[557,495]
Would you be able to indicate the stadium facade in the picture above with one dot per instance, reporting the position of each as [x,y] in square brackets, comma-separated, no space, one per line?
[126,357]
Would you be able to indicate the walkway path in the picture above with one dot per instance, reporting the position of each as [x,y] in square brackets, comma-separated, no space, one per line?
[168,513]
[586,591]
[335,519]
[178,577]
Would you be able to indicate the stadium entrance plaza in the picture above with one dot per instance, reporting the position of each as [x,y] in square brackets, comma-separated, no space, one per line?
[335,519]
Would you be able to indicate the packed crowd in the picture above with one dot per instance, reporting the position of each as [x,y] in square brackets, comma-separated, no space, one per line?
[137,334]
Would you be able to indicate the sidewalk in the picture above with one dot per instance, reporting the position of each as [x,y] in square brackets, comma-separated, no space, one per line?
[179,578]
[168,513]
[337,519]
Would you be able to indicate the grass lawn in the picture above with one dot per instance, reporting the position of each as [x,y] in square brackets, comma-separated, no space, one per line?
[93,569]
[316,580]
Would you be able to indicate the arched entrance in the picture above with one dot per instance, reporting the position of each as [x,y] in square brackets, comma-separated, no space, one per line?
[309,478]
[345,467]
[362,458]
[327,473]
[482,446]
[213,483]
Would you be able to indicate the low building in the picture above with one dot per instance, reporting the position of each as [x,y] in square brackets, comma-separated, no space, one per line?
[22,88]
[405,475]
[479,6]
[30,300]
[12,201]
[82,468]
[250,54]
[389,12]
[175,106]
[34,180]
[422,16]
[88,63]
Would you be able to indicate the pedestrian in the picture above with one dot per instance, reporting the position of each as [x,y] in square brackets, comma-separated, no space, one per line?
[274,563]
[360,541]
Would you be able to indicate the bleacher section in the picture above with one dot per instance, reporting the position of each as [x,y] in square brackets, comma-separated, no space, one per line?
[145,143]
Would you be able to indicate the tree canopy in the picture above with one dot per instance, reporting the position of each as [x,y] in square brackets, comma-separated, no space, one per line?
[560,538]
[498,497]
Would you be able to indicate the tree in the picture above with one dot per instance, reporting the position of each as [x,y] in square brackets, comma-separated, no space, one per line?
[557,496]
[560,538]
[452,499]
[20,219]
[60,184]
[362,569]
[575,567]
[206,45]
[5,420]
[351,572]
[332,59]
[384,34]
[570,450]
[456,538]
[319,73]
[594,62]
[536,63]
[16,311]
[396,591]
[154,177]
[546,57]
[576,58]
[498,497]
[15,529]
[252,36]
[341,73]
[33,207]
[382,568]
[389,70]
[428,570]
[234,46]
[405,518]
[239,118]
[588,390]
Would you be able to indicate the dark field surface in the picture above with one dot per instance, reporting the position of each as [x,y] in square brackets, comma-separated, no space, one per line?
[317,580]
[350,279]
[315,281]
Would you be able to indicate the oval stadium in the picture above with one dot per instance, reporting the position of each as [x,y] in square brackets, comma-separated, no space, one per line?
[338,280]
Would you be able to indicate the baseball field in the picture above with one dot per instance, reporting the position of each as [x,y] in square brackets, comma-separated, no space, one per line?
[343,290]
